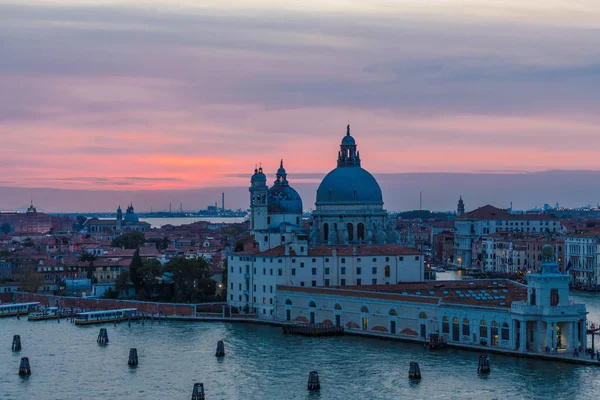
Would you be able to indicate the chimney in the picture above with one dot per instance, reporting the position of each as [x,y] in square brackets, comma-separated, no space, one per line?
[223,201]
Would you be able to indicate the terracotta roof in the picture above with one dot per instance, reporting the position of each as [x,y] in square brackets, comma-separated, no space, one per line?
[488,292]
[354,292]
[490,212]
[346,251]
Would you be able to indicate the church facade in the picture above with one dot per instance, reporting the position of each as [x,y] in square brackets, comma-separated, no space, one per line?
[129,223]
[349,242]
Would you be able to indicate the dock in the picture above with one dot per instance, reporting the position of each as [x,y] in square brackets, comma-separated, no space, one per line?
[312,330]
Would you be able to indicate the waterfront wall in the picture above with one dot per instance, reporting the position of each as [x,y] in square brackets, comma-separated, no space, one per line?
[172,309]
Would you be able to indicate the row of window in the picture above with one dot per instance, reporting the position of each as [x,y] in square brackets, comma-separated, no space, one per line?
[483,329]
[314,260]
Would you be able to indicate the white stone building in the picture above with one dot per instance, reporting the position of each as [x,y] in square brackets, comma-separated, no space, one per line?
[582,250]
[495,314]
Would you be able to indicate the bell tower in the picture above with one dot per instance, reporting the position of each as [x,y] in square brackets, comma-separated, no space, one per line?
[460,209]
[119,221]
[258,201]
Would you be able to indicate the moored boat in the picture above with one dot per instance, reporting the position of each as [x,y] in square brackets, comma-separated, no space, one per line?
[46,313]
[99,317]
[12,309]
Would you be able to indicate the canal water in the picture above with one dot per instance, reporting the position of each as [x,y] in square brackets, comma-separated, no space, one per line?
[261,363]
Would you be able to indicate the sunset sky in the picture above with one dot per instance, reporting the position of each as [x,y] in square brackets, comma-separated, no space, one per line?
[178,94]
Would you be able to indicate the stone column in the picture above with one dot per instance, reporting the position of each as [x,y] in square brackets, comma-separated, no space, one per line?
[523,336]
[513,335]
[572,341]
[584,334]
[549,335]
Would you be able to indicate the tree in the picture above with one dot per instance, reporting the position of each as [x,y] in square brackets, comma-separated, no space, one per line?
[81,219]
[136,265]
[90,259]
[5,228]
[149,273]
[29,279]
[190,278]
[121,282]
[129,240]
[110,294]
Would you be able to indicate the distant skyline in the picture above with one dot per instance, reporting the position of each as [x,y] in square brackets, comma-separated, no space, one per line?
[177,95]
[400,193]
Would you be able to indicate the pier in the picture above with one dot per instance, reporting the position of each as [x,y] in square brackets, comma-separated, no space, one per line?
[312,330]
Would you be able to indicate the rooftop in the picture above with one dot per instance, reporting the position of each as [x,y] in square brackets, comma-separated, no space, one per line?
[488,293]
[490,212]
[320,251]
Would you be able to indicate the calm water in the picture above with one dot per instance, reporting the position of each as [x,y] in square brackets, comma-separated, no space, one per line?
[261,363]
[158,222]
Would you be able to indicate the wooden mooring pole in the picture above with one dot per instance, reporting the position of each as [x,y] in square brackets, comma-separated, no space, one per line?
[16,344]
[24,368]
[198,393]
[102,336]
[313,381]
[414,372]
[220,349]
[133,358]
[484,365]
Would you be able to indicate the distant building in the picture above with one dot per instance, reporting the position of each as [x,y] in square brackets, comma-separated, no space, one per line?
[131,223]
[31,221]
[460,209]
[582,248]
[487,220]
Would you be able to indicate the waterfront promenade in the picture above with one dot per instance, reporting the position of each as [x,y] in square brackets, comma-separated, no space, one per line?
[219,312]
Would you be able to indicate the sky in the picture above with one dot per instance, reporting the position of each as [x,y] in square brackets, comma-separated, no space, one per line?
[135,95]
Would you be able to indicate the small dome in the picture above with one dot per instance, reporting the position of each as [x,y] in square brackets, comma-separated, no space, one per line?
[346,185]
[130,215]
[348,141]
[283,200]
[548,251]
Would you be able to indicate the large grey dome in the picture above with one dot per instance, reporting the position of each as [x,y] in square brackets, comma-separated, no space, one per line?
[283,200]
[349,185]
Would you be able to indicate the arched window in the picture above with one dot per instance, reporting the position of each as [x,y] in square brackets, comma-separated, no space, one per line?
[483,330]
[350,228]
[312,304]
[364,309]
[360,231]
[494,332]
[455,329]
[338,307]
[325,232]
[422,315]
[393,312]
[387,271]
[505,331]
[288,302]
[445,325]
[466,328]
